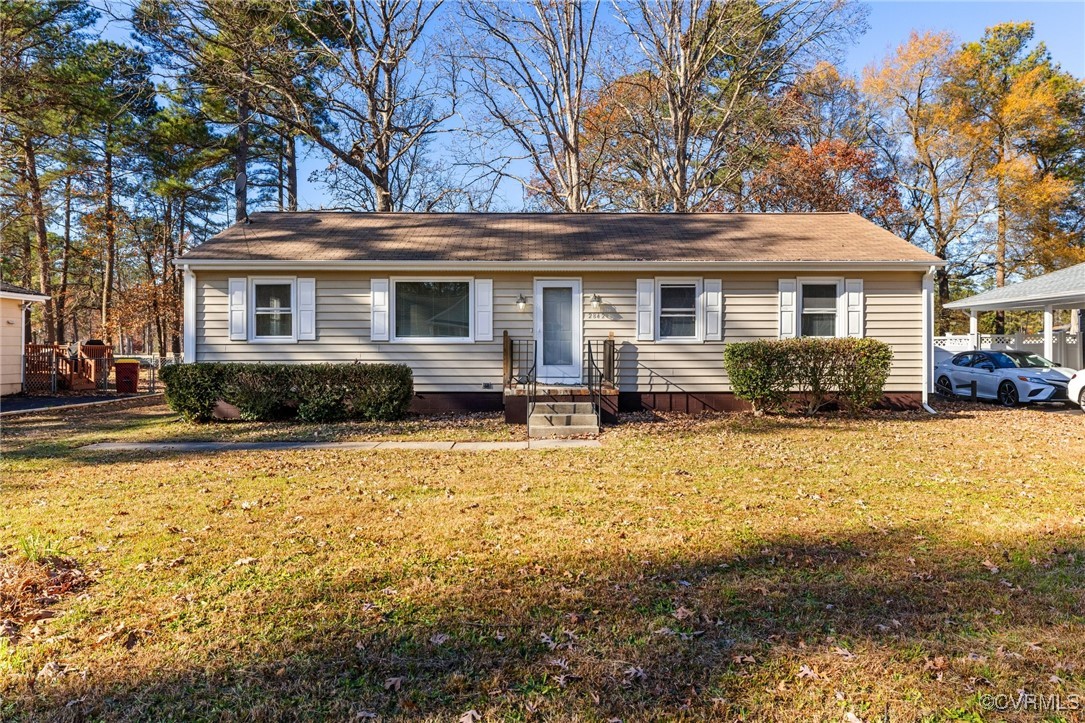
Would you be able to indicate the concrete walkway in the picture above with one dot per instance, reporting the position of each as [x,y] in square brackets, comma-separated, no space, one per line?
[293,446]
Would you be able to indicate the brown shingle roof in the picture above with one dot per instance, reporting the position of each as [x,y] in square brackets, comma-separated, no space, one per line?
[512,237]
[7,288]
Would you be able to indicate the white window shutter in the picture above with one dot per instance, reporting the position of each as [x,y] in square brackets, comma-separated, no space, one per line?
[646,290]
[853,300]
[238,292]
[787,308]
[378,322]
[713,309]
[306,309]
[484,309]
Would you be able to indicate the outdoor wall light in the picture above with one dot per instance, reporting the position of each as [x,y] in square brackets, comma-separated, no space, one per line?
[596,301]
[521,302]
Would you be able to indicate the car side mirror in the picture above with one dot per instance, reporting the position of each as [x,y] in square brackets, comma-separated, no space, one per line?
[987,367]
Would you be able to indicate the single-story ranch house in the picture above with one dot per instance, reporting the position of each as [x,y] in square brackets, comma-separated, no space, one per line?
[14,301]
[465,299]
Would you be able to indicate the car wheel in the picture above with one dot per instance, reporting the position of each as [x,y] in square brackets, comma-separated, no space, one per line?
[1007,394]
[1081,400]
[944,387]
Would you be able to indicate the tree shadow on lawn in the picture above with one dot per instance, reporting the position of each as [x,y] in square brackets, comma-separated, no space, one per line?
[903,621]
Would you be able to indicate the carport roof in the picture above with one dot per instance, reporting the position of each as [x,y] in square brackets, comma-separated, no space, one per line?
[1064,289]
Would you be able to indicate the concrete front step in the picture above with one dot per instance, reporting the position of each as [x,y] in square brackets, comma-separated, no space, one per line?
[564,408]
[564,420]
[545,432]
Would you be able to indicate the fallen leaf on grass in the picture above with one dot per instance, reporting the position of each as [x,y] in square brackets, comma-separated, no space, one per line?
[939,663]
[395,683]
[991,567]
[850,717]
[682,613]
[438,639]
[808,671]
[470,716]
[245,561]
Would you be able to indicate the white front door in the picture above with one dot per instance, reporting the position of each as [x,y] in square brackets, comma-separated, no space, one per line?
[557,330]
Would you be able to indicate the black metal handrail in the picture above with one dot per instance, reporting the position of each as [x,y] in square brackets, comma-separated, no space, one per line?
[595,384]
[531,385]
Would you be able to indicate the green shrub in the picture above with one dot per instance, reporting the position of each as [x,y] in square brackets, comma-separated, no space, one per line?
[757,370]
[322,393]
[814,364]
[193,389]
[863,373]
[261,392]
[312,392]
[379,391]
[813,372]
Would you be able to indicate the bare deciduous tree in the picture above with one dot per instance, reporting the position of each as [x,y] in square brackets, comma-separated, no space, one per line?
[715,62]
[529,67]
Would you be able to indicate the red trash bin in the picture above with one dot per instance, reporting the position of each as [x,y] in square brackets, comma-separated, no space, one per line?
[127,371]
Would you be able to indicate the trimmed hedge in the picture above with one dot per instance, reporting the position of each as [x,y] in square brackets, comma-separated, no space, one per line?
[849,372]
[309,392]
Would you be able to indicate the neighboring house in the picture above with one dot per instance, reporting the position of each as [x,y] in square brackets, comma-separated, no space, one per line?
[439,292]
[13,303]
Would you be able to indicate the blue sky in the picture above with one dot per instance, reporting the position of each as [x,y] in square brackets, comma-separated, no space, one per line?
[1060,25]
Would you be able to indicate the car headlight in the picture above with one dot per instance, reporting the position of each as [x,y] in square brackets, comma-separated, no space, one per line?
[1034,380]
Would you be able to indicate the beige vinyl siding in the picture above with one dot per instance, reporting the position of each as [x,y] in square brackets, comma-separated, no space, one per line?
[750,311]
[11,349]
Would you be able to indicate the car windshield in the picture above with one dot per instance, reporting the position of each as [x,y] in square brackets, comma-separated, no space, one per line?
[1019,360]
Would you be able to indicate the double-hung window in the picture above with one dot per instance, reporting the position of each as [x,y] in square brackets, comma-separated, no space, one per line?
[678,302]
[273,305]
[819,309]
[432,310]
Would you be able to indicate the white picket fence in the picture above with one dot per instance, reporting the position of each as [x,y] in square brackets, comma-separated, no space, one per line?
[1066,350]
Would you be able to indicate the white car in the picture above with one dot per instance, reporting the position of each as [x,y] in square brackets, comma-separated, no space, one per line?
[1076,388]
[1010,377]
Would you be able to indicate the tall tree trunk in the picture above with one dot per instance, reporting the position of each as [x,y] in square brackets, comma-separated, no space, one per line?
[1000,242]
[110,241]
[62,294]
[241,159]
[942,314]
[291,172]
[280,181]
[176,285]
[26,277]
[37,212]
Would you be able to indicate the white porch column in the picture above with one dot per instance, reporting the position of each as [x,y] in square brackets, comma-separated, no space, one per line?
[974,328]
[1049,333]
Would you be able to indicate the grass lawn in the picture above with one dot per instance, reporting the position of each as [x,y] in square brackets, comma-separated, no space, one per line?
[720,568]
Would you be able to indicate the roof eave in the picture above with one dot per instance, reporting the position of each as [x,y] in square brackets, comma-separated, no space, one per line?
[1067,300]
[23,297]
[451,265]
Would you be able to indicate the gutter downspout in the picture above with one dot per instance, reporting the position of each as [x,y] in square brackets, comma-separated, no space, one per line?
[188,318]
[928,337]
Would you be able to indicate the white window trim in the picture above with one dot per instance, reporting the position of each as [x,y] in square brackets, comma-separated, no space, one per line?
[698,295]
[841,305]
[394,338]
[293,281]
